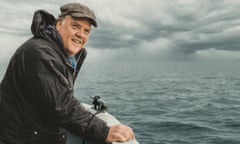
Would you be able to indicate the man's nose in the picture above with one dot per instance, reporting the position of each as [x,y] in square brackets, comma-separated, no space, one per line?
[80,33]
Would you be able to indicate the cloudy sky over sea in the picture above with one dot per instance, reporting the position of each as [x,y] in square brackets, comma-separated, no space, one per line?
[140,29]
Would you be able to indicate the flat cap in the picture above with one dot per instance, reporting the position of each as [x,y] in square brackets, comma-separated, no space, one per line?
[77,10]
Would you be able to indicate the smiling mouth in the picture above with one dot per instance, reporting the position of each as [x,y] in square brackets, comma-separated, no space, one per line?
[77,41]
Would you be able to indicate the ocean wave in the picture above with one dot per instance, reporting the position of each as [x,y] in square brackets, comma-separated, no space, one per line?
[184,126]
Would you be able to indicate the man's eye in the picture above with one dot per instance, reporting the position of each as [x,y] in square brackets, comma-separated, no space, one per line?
[87,31]
[74,26]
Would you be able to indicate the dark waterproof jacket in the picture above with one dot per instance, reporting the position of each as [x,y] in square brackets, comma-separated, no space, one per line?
[37,105]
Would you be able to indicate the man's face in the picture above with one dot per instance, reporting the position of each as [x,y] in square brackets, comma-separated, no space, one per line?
[74,33]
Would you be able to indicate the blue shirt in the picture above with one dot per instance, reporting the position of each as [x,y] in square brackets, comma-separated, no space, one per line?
[73,61]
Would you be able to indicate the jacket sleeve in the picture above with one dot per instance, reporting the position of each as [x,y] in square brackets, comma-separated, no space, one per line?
[51,93]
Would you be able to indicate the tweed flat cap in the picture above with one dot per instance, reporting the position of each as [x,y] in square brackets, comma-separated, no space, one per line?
[77,10]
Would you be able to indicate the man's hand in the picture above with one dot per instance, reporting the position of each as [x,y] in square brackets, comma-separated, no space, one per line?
[119,133]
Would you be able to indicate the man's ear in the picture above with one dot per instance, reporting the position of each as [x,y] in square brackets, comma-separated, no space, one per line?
[58,24]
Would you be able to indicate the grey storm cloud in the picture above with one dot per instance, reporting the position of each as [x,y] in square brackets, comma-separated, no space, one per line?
[181,26]
[189,25]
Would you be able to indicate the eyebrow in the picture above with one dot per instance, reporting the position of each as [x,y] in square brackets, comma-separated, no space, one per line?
[74,22]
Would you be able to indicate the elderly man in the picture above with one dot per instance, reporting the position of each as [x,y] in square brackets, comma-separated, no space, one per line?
[37,105]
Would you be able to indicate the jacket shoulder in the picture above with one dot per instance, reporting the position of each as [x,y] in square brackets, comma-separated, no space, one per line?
[35,48]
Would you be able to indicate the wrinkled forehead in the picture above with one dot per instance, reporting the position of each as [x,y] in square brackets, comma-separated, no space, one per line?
[78,22]
[76,19]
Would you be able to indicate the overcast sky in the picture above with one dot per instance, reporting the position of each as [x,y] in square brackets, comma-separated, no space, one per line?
[156,29]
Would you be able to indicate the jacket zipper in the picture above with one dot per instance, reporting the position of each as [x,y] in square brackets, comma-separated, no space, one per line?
[74,71]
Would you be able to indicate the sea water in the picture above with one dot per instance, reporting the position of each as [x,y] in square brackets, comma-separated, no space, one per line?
[168,102]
